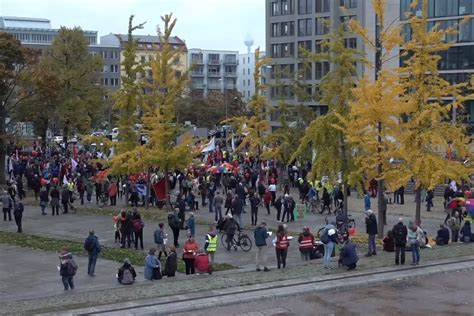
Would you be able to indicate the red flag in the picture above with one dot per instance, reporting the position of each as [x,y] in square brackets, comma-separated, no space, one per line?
[159,188]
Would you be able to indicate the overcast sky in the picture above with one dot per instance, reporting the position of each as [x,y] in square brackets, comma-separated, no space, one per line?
[206,24]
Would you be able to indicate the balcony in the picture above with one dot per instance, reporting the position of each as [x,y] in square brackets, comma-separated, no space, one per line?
[214,62]
[197,61]
[197,86]
[230,60]
[230,74]
[214,87]
[197,74]
[214,74]
[230,86]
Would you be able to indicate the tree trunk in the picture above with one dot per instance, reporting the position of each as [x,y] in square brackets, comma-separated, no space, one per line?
[381,206]
[148,188]
[345,199]
[2,145]
[168,202]
[418,206]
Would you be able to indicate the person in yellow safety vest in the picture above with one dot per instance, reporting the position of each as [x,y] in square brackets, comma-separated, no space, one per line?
[210,245]
[71,187]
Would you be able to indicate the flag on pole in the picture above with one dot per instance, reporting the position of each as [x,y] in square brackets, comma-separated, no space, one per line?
[159,188]
[211,146]
[73,164]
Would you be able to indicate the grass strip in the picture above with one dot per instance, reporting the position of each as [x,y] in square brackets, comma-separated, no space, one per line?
[77,248]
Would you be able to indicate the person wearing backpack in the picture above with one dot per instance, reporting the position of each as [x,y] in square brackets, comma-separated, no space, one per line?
[329,239]
[18,214]
[67,269]
[138,225]
[126,274]
[174,223]
[415,238]
[160,240]
[92,246]
[400,232]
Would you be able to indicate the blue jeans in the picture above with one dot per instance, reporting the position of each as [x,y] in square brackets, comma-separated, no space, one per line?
[372,247]
[328,249]
[218,213]
[415,253]
[68,282]
[91,264]
[211,201]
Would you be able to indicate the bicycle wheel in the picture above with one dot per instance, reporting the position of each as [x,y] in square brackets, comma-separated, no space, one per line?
[223,240]
[245,243]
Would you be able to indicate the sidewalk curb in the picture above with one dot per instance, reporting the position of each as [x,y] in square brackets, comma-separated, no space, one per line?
[271,290]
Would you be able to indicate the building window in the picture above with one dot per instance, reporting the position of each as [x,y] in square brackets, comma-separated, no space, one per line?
[466,31]
[441,8]
[350,43]
[304,27]
[303,48]
[114,68]
[275,29]
[305,6]
[349,4]
[104,54]
[322,69]
[465,7]
[322,6]
[214,58]
[285,8]
[322,26]
[248,82]
[248,71]
[243,83]
[248,60]
[114,55]
[287,28]
[106,81]
[345,21]
[275,8]
[142,59]
[243,60]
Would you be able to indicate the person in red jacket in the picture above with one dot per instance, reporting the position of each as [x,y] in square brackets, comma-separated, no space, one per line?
[201,262]
[306,243]
[189,254]
[267,200]
[281,245]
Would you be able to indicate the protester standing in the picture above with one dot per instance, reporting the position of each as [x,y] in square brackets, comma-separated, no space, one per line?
[93,248]
[189,254]
[371,229]
[261,234]
[18,214]
[67,269]
[400,239]
[281,246]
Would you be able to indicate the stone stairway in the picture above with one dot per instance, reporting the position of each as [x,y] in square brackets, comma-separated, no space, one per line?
[438,191]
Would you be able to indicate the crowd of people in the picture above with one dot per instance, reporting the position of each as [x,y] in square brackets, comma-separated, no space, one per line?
[227,186]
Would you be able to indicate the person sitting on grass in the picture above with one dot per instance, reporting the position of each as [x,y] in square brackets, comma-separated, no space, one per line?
[388,242]
[442,237]
[126,274]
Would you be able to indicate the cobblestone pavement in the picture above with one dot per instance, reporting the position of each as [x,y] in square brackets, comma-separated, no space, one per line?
[417,296]
[193,284]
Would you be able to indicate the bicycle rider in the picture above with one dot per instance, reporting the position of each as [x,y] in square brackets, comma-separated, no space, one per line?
[230,227]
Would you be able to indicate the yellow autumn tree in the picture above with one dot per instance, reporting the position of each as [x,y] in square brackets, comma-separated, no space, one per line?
[128,99]
[166,87]
[331,152]
[373,122]
[254,127]
[429,133]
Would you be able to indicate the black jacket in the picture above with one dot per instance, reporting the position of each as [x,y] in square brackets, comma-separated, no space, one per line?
[400,240]
[442,237]
[371,225]
[126,266]
[171,264]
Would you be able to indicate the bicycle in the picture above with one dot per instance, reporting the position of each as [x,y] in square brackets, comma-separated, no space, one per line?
[243,241]
[314,206]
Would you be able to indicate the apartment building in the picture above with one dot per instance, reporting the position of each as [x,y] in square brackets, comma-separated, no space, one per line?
[457,63]
[145,49]
[246,71]
[212,70]
[295,24]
